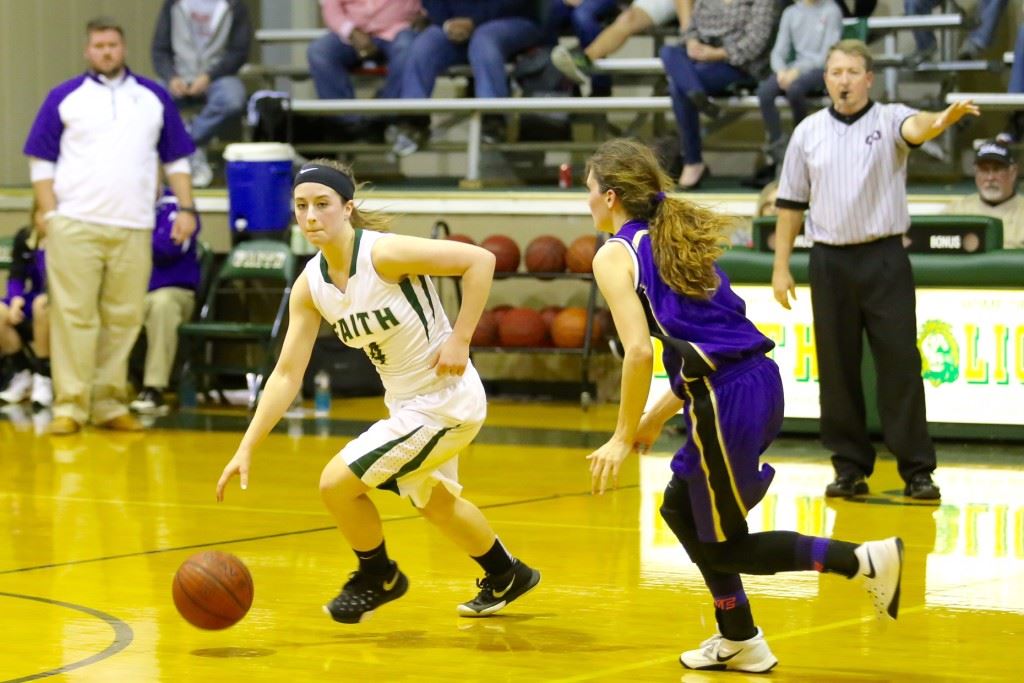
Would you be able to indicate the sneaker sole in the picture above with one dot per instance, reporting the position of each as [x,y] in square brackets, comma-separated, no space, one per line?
[725,667]
[563,61]
[471,614]
[369,613]
[894,605]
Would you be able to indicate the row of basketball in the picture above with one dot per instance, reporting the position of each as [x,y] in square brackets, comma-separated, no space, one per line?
[552,326]
[544,254]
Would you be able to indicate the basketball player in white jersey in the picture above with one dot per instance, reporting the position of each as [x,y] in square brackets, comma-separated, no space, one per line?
[375,291]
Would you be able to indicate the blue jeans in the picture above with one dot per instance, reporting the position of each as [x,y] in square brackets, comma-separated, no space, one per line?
[331,59]
[488,48]
[1017,71]
[797,92]
[223,101]
[587,19]
[988,12]
[686,76]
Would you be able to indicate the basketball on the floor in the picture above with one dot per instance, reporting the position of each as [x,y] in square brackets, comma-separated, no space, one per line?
[506,253]
[486,332]
[212,590]
[522,327]
[545,254]
[580,257]
[569,328]
[459,237]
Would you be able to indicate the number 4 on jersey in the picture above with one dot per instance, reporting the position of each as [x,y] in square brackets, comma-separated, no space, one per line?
[376,355]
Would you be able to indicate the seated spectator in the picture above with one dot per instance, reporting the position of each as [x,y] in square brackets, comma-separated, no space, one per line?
[862,9]
[484,35]
[1015,126]
[169,303]
[362,32]
[807,30]
[587,19]
[726,42]
[198,48]
[995,174]
[24,323]
[578,63]
[977,41]
[766,200]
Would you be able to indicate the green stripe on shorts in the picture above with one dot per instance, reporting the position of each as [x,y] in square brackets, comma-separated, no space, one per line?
[363,463]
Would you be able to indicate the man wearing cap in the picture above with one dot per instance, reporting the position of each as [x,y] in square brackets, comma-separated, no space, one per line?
[995,174]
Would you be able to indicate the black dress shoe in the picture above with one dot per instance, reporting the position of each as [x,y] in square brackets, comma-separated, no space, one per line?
[921,487]
[699,98]
[847,485]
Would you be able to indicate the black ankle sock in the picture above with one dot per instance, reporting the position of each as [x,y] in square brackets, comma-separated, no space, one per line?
[840,558]
[736,623]
[495,561]
[374,562]
[19,361]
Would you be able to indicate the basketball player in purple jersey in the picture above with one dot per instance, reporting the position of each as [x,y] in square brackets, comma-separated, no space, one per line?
[659,276]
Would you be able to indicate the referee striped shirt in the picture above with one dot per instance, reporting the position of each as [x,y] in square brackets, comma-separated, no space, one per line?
[851,172]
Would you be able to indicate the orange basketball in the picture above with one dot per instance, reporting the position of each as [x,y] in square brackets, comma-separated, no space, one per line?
[545,254]
[212,590]
[548,314]
[569,327]
[522,327]
[581,254]
[500,311]
[486,332]
[506,253]
[604,325]
[459,237]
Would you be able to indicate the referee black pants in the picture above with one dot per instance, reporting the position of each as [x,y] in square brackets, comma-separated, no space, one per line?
[869,288]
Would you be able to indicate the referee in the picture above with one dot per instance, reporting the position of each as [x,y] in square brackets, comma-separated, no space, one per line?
[847,165]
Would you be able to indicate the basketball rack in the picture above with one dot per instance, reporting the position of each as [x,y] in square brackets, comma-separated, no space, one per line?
[441,230]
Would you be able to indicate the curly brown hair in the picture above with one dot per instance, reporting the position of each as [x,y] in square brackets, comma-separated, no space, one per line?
[361,218]
[686,237]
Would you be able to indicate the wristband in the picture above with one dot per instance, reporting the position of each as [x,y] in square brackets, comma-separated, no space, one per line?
[189,209]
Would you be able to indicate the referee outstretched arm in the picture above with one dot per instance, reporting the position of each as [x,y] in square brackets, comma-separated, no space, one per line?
[925,125]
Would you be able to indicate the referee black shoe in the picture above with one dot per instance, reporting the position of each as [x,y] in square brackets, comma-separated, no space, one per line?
[846,485]
[496,591]
[921,487]
[363,593]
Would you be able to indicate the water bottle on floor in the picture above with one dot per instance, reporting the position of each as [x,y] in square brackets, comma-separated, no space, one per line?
[322,394]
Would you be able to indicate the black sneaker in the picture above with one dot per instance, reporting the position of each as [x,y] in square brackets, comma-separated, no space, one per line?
[150,401]
[498,591]
[363,593]
[575,65]
[847,485]
[921,487]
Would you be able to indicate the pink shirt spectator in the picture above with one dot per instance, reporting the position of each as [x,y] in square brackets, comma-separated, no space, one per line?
[380,18]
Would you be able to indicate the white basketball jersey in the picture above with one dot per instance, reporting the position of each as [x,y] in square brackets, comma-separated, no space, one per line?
[398,326]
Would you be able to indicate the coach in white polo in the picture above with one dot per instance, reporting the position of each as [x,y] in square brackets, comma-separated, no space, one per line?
[847,167]
[94,151]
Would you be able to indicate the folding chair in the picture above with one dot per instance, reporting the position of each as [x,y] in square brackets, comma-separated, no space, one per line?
[246,305]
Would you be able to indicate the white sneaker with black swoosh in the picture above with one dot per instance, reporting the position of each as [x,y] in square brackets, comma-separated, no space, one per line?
[718,653]
[881,567]
[498,591]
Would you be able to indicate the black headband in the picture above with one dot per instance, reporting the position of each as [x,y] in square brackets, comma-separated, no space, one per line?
[325,175]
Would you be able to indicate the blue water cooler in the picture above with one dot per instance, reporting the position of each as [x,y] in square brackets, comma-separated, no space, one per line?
[259,176]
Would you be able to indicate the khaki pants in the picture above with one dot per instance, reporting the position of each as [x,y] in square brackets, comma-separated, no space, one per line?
[97,276]
[166,308]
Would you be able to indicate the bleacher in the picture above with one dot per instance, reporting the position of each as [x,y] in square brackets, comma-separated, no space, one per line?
[625,71]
